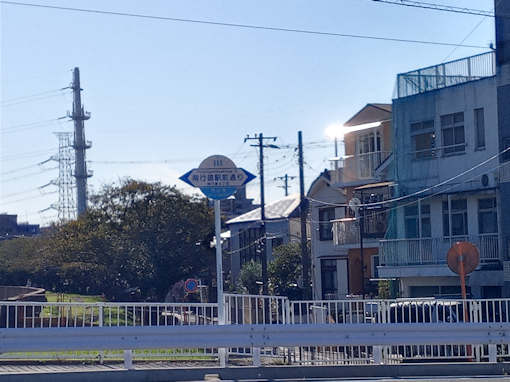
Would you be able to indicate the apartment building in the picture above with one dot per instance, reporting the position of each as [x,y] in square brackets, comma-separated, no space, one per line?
[446,145]
[338,267]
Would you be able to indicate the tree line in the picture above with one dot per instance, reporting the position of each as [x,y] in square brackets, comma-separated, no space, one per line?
[135,242]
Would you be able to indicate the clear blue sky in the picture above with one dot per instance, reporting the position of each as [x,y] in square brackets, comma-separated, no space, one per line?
[161,90]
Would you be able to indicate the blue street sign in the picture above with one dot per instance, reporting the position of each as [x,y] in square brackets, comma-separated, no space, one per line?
[217,177]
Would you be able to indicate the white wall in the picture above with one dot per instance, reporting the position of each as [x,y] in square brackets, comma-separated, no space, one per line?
[325,249]
[414,174]
[436,212]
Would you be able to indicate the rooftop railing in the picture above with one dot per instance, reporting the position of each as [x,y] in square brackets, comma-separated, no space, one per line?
[445,74]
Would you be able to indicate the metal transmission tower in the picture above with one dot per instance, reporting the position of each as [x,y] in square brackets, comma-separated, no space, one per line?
[66,206]
[80,144]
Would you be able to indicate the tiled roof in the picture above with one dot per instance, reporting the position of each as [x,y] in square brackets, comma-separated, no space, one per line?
[282,208]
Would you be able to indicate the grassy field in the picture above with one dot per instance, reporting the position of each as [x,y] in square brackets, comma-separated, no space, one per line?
[70,297]
[115,317]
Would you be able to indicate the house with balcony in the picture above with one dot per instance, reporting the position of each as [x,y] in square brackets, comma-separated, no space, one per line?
[364,172]
[446,145]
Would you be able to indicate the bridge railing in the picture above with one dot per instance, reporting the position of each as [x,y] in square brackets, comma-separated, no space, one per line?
[246,310]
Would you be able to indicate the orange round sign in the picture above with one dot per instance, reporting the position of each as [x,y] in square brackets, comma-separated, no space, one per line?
[466,253]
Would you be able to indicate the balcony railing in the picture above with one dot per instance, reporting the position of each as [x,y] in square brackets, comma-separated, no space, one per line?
[346,231]
[363,166]
[429,251]
[446,74]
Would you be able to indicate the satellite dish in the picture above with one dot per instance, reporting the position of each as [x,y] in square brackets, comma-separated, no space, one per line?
[354,204]
[463,258]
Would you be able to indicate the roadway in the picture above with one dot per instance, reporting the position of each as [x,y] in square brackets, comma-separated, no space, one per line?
[167,371]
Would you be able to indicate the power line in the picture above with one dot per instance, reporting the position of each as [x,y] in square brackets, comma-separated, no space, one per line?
[438,7]
[236,25]
[167,161]
[28,154]
[422,191]
[19,169]
[30,125]
[469,34]
[464,39]
[32,97]
[25,199]
[30,174]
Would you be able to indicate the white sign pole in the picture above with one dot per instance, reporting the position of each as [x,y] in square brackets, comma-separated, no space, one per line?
[219,276]
[219,263]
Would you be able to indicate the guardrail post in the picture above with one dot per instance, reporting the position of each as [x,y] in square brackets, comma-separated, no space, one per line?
[128,359]
[100,313]
[493,353]
[222,355]
[100,323]
[378,355]
[287,312]
[256,357]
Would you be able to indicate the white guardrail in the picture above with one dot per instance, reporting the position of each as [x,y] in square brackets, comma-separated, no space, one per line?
[254,336]
[255,316]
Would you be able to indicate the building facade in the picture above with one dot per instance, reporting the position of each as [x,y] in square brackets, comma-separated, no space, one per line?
[341,264]
[446,145]
[282,225]
[10,228]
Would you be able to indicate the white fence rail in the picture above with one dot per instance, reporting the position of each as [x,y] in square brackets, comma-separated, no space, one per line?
[254,309]
[27,314]
[244,311]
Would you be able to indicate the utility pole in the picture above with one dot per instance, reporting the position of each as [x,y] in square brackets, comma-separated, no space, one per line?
[303,209]
[80,144]
[285,182]
[361,232]
[260,138]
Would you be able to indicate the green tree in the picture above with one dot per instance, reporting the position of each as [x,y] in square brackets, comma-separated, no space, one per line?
[135,235]
[285,270]
[250,277]
[19,260]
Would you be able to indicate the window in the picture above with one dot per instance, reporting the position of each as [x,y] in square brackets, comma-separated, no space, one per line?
[424,291]
[412,221]
[276,242]
[325,224]
[458,216]
[369,147]
[375,263]
[437,291]
[425,125]
[487,216]
[250,244]
[329,278]
[452,128]
[479,129]
[423,139]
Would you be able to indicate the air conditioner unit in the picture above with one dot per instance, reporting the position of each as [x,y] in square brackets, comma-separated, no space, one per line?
[489,180]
